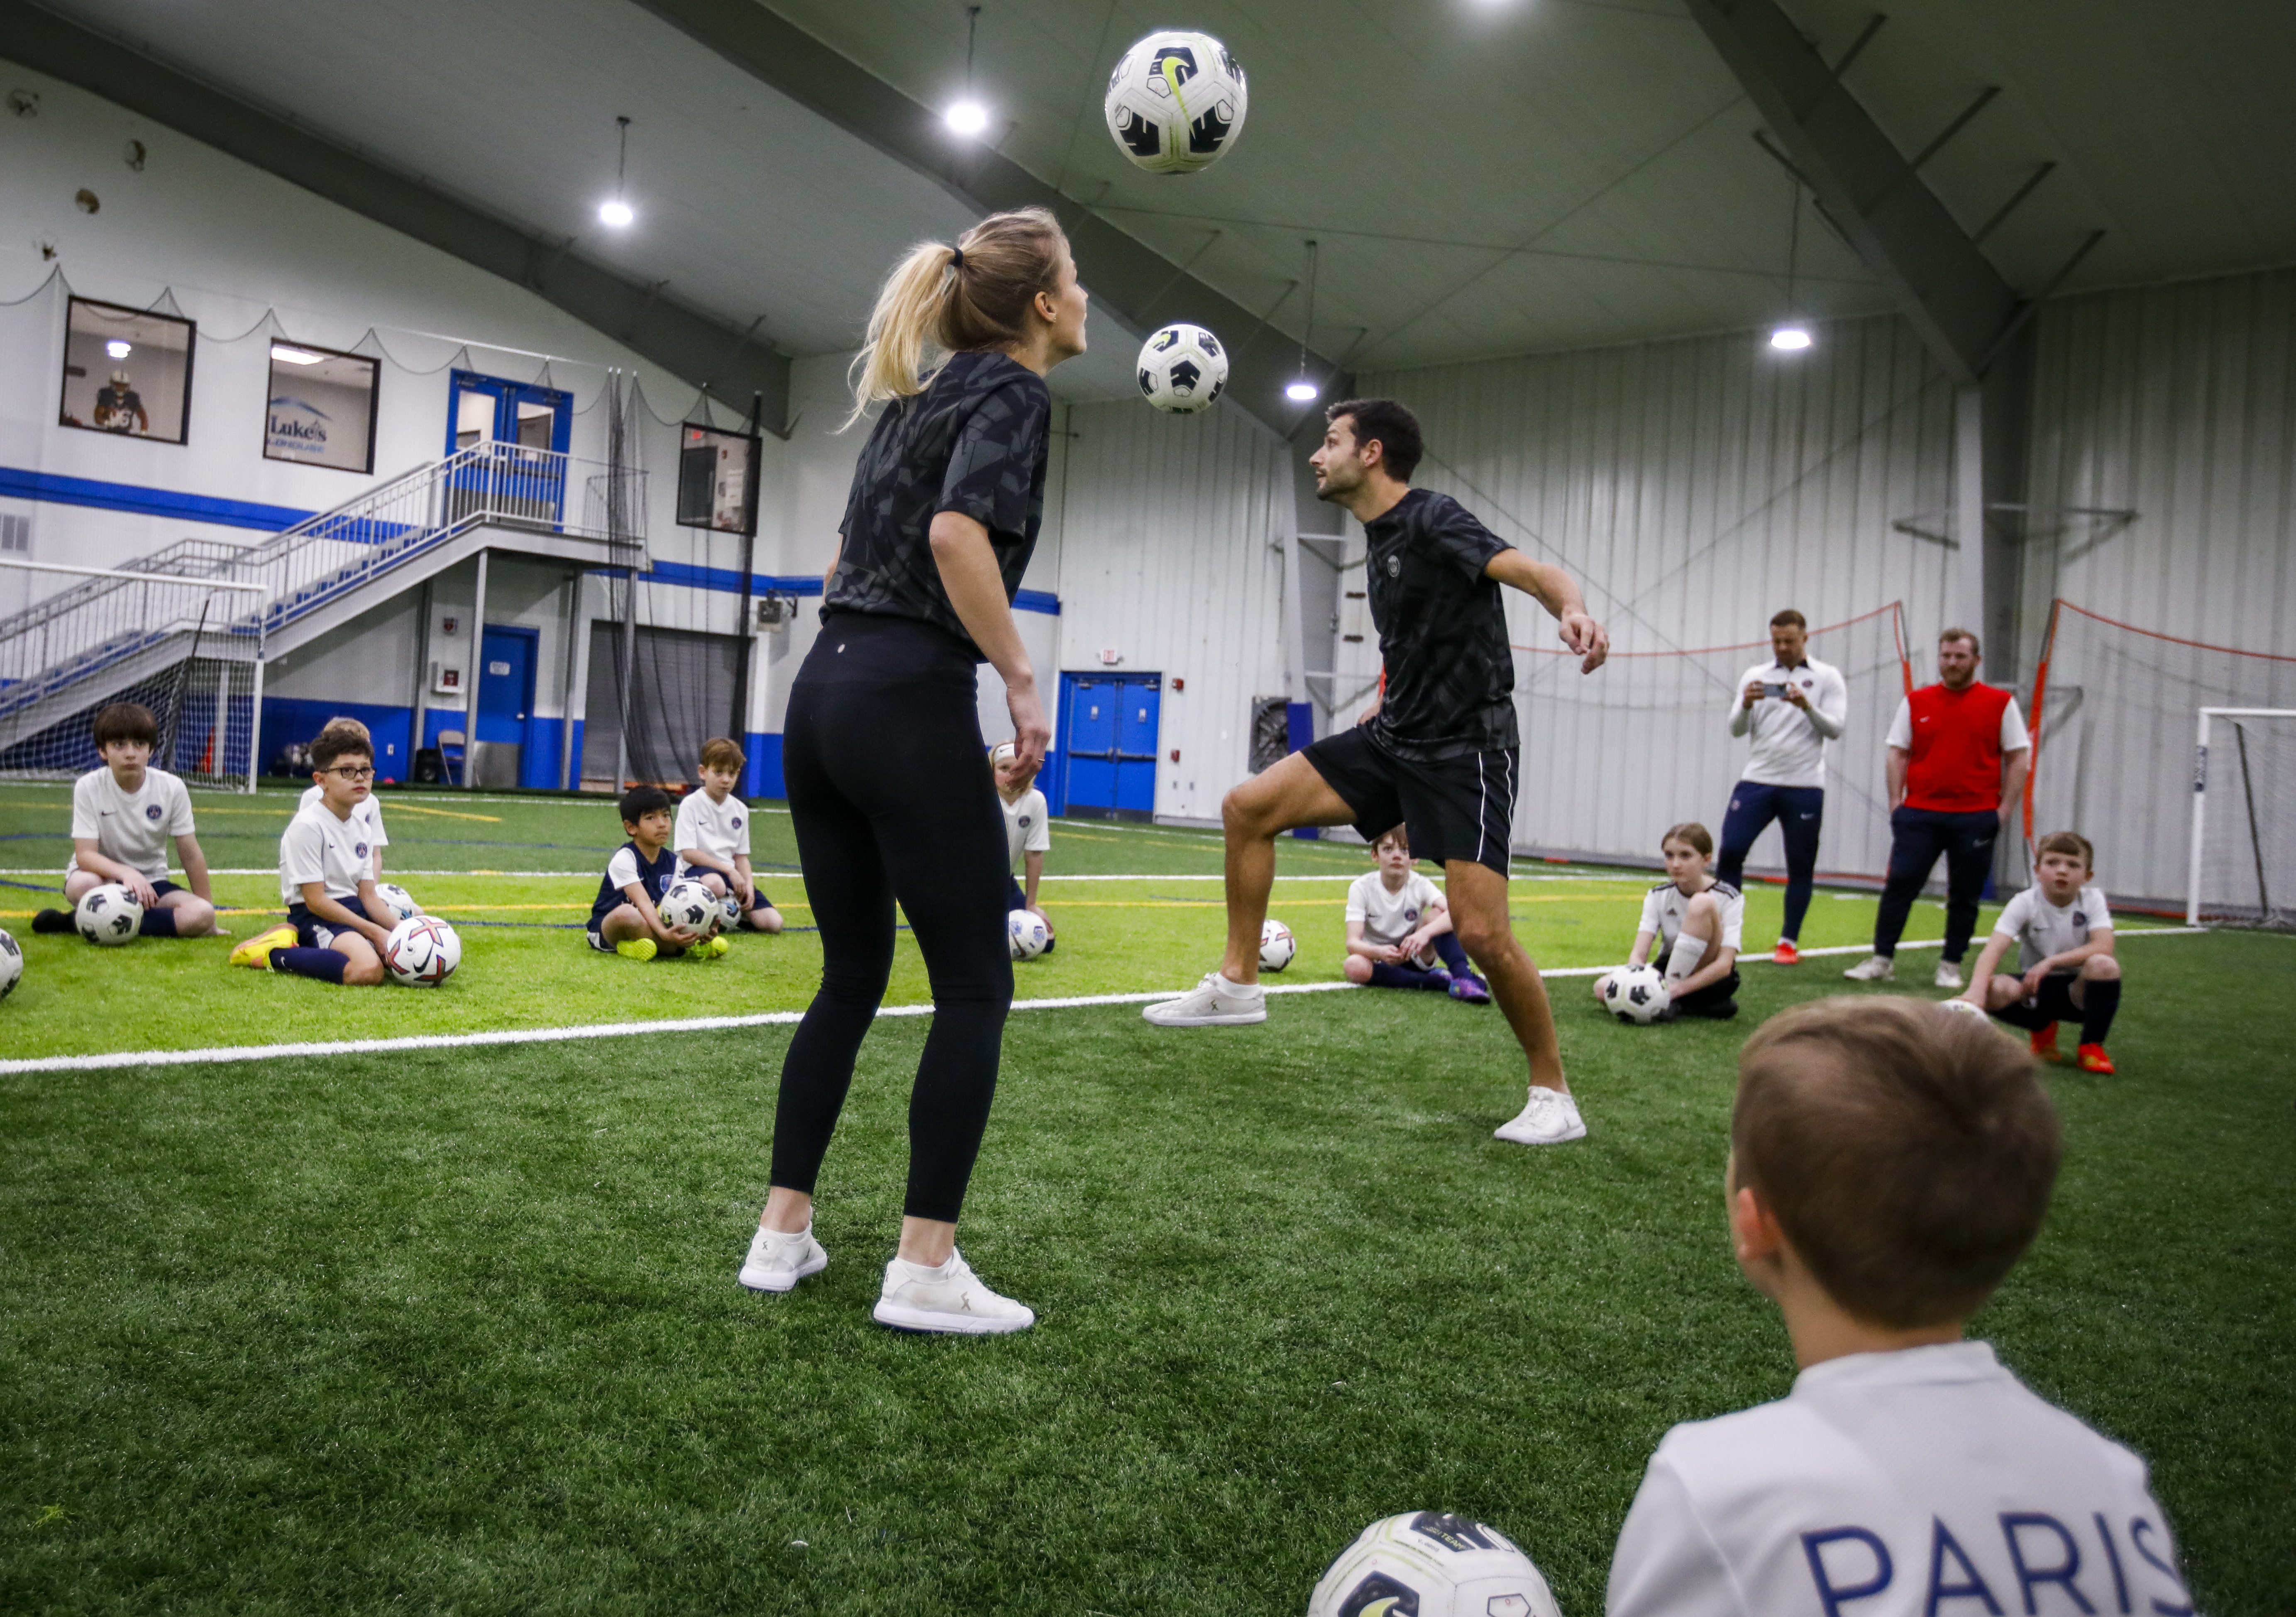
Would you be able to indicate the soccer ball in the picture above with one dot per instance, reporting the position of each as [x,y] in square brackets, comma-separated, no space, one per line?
[1960,1007]
[730,907]
[11,965]
[1027,932]
[421,951]
[108,915]
[690,905]
[1637,994]
[1435,1564]
[1277,945]
[1175,102]
[398,900]
[1183,369]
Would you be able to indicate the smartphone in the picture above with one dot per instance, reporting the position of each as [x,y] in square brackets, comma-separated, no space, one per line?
[1778,691]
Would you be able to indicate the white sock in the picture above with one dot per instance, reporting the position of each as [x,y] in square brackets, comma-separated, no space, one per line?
[1684,959]
[1229,986]
[787,1235]
[926,1271]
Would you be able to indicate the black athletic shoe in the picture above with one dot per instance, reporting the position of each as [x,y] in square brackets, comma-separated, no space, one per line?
[1720,1010]
[52,920]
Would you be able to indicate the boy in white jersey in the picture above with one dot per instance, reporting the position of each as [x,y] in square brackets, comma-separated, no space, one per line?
[2063,934]
[712,836]
[1028,834]
[326,878]
[369,810]
[123,816]
[1399,929]
[1696,923]
[1889,1163]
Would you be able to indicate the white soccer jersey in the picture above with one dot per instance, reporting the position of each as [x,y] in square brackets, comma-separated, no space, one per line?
[1790,742]
[367,811]
[134,827]
[719,828]
[1390,918]
[1027,828]
[2042,930]
[2013,738]
[317,847]
[1665,905]
[1925,1481]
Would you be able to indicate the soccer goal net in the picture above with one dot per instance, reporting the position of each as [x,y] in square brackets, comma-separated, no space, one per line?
[78,638]
[2113,715]
[1611,760]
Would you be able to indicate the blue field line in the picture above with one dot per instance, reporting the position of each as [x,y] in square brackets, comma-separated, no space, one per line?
[31,886]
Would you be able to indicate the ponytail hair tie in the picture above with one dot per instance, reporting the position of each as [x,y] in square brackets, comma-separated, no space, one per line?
[957,257]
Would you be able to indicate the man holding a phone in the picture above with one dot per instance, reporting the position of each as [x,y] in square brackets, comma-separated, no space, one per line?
[1792,705]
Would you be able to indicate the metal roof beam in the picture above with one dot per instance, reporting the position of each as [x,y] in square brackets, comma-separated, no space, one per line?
[1893,221]
[694,346]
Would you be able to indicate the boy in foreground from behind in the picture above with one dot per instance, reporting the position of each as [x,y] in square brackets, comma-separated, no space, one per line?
[2066,970]
[326,877]
[1889,1163]
[623,919]
[123,815]
[712,836]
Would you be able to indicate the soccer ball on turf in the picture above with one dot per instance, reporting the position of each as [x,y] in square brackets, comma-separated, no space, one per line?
[1027,932]
[11,965]
[421,951]
[1176,102]
[1637,994]
[1277,945]
[1434,1564]
[1183,369]
[398,900]
[108,915]
[730,907]
[689,905]
[1960,1007]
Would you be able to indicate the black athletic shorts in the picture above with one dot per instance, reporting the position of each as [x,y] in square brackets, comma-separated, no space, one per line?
[2053,1003]
[312,932]
[1459,807]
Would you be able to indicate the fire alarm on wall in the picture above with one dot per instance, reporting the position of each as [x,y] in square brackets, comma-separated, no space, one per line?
[1178,683]
[447,625]
[1110,657]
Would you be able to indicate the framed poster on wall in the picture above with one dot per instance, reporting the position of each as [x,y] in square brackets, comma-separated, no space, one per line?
[718,480]
[320,408]
[126,371]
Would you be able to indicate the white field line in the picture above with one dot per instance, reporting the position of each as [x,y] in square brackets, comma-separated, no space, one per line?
[687,1024]
[790,875]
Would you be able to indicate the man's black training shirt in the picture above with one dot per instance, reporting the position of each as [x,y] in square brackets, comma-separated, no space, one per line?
[1442,631]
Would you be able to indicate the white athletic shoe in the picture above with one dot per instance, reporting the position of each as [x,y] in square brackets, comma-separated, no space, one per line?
[1213,1002]
[1877,968]
[1948,976]
[1548,1118]
[950,1298]
[778,1261]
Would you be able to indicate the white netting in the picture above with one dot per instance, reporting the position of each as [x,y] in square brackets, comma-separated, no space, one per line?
[1610,760]
[2246,829]
[2115,710]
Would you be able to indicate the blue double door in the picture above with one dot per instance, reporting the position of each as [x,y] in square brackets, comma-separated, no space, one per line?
[1109,728]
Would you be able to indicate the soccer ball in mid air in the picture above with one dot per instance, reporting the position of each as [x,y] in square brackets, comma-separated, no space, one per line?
[1028,934]
[690,906]
[108,915]
[398,900]
[1637,994]
[1435,1564]
[1175,102]
[1183,369]
[11,965]
[421,951]
[1277,945]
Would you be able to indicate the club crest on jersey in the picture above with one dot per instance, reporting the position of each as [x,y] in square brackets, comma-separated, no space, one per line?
[151,812]
[2081,917]
[1024,822]
[1395,566]
[358,850]
[737,822]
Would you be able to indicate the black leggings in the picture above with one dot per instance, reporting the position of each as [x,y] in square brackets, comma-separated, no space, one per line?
[891,797]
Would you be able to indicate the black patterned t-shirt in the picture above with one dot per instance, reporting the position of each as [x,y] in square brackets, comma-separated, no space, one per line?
[1442,631]
[974,442]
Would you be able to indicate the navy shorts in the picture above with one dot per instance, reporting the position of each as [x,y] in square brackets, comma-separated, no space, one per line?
[162,887]
[2053,1003]
[1460,807]
[311,932]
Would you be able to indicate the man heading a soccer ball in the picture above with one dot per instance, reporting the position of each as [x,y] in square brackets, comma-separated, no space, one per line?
[1436,753]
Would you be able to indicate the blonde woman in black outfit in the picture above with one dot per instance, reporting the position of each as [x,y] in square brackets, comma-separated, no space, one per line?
[890,787]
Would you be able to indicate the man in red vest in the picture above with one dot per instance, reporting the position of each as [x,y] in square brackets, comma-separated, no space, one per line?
[1958,752]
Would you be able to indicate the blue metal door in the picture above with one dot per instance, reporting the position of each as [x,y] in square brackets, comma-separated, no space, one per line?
[1138,702]
[505,685]
[1109,750]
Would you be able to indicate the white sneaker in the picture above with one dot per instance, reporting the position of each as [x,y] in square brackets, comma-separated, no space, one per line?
[1878,969]
[1948,976]
[1213,1002]
[1548,1118]
[950,1298]
[778,1261]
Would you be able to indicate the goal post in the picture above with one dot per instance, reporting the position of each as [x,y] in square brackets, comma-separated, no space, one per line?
[2243,841]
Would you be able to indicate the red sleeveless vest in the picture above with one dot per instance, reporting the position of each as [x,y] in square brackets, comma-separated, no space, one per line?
[1955,764]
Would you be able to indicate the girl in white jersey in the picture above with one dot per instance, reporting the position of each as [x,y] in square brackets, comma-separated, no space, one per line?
[2065,965]
[1695,923]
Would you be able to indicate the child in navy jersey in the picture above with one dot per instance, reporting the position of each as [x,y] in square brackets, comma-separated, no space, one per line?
[623,919]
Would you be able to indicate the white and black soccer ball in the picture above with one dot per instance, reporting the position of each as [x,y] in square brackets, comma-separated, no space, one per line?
[1183,369]
[1434,1564]
[730,907]
[1277,945]
[689,905]
[1637,994]
[421,951]
[1027,932]
[1176,103]
[11,964]
[398,900]
[108,915]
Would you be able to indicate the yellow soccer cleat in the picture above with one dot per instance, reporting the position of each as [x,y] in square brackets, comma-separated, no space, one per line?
[257,950]
[636,949]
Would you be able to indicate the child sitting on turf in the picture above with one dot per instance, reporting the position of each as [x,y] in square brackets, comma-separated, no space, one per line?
[713,836]
[123,814]
[326,877]
[1399,929]
[1696,922]
[1889,1163]
[1027,837]
[623,919]
[369,812]
[2063,934]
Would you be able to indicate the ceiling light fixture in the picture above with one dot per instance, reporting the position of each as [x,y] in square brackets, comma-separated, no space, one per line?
[617,212]
[1791,335]
[1301,389]
[1790,339]
[287,355]
[120,347]
[966,116]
